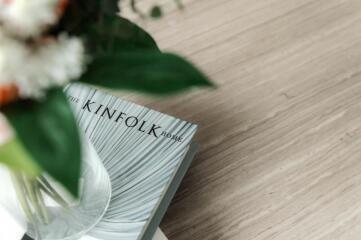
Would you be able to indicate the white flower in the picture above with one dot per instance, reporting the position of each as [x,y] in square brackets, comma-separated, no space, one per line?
[35,69]
[27,18]
[13,56]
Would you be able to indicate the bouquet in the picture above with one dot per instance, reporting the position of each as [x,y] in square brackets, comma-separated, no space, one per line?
[46,44]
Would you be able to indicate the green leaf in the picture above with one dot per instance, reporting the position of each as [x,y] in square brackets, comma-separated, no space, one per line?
[156,12]
[147,71]
[109,7]
[48,131]
[80,14]
[15,156]
[97,22]
[116,34]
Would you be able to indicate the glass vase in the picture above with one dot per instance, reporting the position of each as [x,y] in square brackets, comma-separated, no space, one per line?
[46,211]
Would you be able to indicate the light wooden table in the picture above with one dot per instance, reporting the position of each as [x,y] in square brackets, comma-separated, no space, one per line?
[281,137]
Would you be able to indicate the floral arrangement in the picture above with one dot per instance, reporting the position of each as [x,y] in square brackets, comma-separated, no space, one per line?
[44,45]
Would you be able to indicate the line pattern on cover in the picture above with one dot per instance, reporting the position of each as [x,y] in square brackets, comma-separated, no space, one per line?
[140,165]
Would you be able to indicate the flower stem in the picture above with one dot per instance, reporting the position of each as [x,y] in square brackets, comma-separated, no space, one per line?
[25,204]
[37,202]
[18,185]
[48,189]
[40,201]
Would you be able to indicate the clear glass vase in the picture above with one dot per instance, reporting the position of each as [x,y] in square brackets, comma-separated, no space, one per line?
[46,211]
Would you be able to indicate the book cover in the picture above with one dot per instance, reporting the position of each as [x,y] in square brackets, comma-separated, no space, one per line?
[146,153]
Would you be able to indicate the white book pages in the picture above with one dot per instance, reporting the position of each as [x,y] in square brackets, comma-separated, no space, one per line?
[159,235]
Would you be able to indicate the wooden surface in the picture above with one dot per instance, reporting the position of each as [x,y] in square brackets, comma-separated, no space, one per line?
[281,136]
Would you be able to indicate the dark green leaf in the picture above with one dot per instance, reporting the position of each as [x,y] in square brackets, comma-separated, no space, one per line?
[116,34]
[97,23]
[156,12]
[109,7]
[147,71]
[77,16]
[48,131]
[83,13]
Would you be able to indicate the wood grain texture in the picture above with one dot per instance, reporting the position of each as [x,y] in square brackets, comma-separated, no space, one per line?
[281,136]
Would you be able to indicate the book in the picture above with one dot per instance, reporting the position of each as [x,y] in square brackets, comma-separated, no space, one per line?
[146,154]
